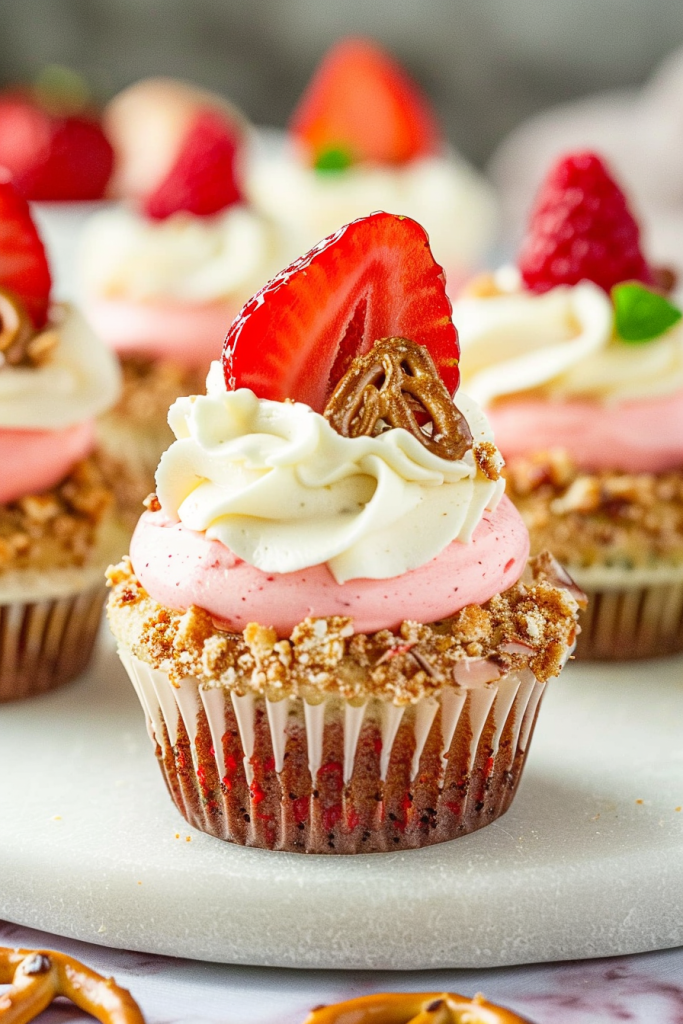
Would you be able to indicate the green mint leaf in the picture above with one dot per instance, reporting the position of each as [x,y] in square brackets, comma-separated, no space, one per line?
[640,314]
[334,158]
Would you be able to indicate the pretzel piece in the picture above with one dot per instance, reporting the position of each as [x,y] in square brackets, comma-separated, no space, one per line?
[37,976]
[396,384]
[414,1008]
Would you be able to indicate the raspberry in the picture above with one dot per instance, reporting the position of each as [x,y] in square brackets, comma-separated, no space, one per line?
[581,229]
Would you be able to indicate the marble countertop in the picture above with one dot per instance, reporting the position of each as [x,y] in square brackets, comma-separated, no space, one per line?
[638,989]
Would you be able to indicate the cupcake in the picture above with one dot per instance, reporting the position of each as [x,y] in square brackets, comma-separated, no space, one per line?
[53,144]
[364,138]
[327,611]
[165,272]
[58,523]
[577,356]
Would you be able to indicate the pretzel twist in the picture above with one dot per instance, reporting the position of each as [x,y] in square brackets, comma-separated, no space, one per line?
[37,976]
[414,1008]
[20,343]
[396,384]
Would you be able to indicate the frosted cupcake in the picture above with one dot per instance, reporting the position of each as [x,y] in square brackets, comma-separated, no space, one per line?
[165,272]
[58,526]
[577,356]
[327,612]
[364,138]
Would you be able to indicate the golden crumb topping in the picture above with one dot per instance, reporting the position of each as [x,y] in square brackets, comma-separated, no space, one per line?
[58,527]
[607,518]
[532,625]
[151,386]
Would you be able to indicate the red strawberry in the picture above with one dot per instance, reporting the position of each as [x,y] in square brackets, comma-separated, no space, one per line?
[23,264]
[53,156]
[374,278]
[203,179]
[581,229]
[362,103]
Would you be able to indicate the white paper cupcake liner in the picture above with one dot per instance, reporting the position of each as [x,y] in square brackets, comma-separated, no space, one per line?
[336,777]
[635,622]
[46,643]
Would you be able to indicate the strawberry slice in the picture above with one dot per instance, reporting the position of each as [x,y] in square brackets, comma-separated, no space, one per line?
[362,105]
[53,156]
[23,264]
[374,278]
[203,178]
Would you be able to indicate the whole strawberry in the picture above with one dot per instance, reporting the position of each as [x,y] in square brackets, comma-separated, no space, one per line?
[581,229]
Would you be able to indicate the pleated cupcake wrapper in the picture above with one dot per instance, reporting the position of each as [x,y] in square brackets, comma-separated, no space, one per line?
[336,777]
[44,644]
[636,622]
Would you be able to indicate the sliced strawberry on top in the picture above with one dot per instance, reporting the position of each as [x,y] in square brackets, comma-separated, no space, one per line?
[361,103]
[203,179]
[581,229]
[24,268]
[374,278]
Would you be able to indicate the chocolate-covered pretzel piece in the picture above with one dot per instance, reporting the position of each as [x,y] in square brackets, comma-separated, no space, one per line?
[20,343]
[414,1008]
[396,384]
[38,976]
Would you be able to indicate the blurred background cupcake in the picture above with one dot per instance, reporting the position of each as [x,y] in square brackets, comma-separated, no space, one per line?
[362,138]
[59,524]
[166,270]
[576,352]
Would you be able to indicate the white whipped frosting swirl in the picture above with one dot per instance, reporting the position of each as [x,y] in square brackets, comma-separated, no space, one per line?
[560,344]
[80,379]
[276,484]
[454,203]
[184,258]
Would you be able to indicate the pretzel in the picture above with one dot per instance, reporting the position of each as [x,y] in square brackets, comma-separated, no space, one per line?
[414,1008]
[20,343]
[396,384]
[38,976]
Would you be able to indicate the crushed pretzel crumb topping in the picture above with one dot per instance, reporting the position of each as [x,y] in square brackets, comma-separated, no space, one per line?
[533,625]
[605,518]
[58,527]
[151,386]
[489,459]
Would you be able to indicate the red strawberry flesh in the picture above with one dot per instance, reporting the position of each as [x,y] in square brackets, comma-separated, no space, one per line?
[361,102]
[24,268]
[203,179]
[580,229]
[374,278]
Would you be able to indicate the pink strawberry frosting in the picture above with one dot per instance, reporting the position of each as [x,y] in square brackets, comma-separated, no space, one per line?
[636,437]
[35,460]
[179,568]
[161,328]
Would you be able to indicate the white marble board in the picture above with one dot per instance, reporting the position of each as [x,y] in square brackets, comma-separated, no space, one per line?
[588,862]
